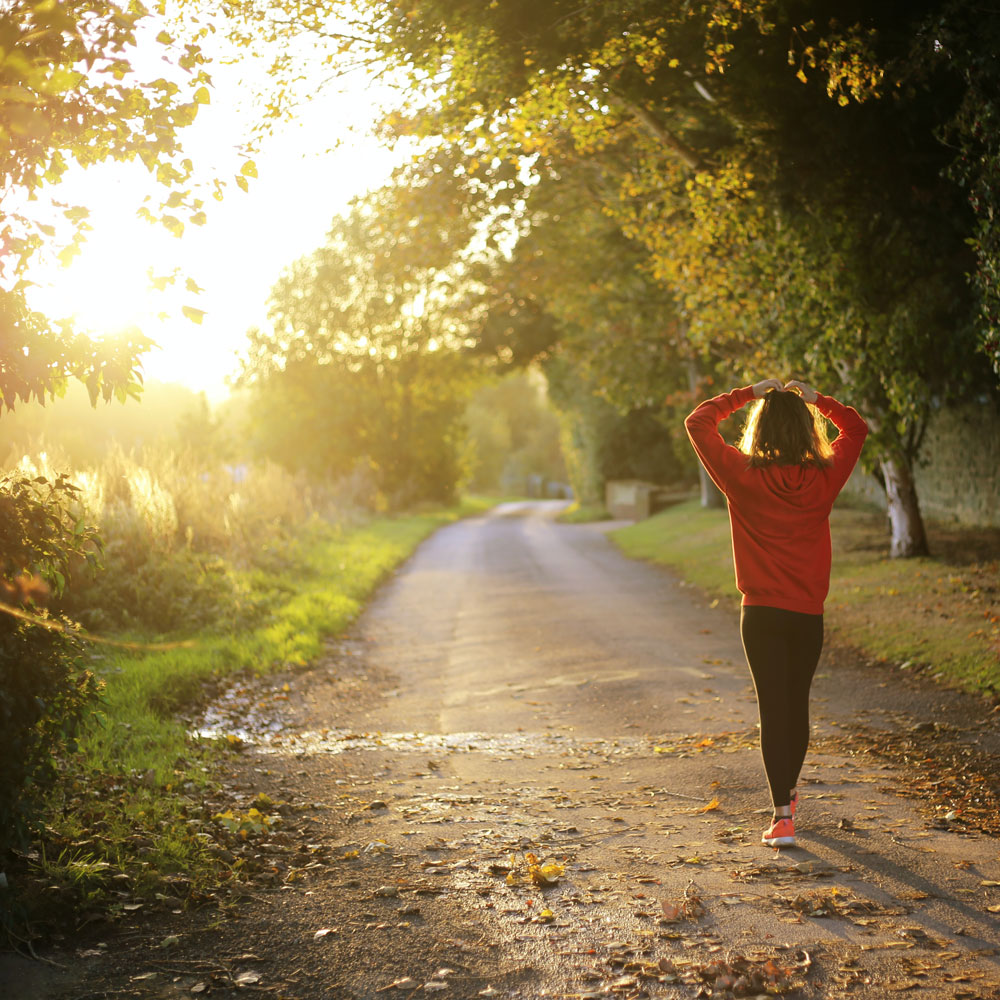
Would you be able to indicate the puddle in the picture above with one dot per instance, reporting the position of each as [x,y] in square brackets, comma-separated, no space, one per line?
[252,715]
[269,736]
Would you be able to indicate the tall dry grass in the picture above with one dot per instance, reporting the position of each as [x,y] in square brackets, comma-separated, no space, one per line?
[186,542]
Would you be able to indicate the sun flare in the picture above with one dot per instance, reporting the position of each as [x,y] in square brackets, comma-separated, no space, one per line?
[108,287]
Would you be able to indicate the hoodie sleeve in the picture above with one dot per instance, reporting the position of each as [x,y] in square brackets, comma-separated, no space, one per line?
[722,461]
[847,447]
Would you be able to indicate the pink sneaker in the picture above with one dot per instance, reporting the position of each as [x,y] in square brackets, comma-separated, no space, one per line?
[781,833]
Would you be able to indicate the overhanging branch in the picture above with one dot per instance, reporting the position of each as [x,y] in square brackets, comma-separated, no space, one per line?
[661,133]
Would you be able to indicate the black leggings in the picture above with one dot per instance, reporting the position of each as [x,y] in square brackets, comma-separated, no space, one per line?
[782,649]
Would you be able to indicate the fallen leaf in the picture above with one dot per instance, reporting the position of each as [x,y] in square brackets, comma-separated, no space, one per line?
[405,983]
[714,804]
[248,978]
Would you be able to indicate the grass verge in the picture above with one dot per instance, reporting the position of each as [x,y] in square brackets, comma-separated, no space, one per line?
[576,513]
[133,818]
[941,614]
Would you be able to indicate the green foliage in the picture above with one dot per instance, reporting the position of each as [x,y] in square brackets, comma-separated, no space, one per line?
[175,530]
[45,692]
[602,442]
[784,194]
[361,365]
[958,43]
[42,530]
[44,688]
[513,433]
[140,775]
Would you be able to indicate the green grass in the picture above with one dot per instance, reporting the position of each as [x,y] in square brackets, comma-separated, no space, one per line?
[923,613]
[139,778]
[576,513]
[690,539]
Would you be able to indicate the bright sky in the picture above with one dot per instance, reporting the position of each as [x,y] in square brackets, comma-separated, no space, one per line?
[237,255]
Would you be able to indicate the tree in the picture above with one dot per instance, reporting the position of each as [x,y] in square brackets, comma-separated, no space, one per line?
[71,93]
[614,354]
[959,42]
[806,221]
[513,434]
[361,363]
[779,160]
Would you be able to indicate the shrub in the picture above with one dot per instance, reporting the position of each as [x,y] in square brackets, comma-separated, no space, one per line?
[44,687]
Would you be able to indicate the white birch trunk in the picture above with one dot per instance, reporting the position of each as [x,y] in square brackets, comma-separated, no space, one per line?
[908,536]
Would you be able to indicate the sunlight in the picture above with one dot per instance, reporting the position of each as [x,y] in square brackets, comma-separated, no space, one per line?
[222,271]
[107,288]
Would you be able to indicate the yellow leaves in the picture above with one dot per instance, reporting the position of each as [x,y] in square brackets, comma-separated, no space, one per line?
[66,255]
[202,96]
[20,94]
[193,314]
[249,169]
[173,224]
[253,821]
[545,875]
[532,870]
[714,804]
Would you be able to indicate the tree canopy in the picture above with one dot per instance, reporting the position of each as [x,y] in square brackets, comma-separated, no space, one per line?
[780,165]
[75,91]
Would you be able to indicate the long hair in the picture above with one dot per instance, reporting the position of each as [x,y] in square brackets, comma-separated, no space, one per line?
[782,429]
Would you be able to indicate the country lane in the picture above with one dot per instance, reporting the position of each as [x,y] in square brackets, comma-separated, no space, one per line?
[530,769]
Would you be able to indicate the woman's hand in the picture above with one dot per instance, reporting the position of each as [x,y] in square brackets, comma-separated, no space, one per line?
[760,388]
[807,392]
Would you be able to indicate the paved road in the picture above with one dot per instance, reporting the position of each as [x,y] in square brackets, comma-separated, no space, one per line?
[520,688]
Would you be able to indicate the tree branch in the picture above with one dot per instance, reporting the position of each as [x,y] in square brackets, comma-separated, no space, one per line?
[660,132]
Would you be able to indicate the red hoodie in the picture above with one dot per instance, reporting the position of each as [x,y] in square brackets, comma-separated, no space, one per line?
[779,514]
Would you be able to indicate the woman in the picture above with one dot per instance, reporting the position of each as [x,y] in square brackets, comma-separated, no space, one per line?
[780,485]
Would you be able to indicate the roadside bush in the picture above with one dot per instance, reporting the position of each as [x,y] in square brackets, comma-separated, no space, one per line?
[184,539]
[45,689]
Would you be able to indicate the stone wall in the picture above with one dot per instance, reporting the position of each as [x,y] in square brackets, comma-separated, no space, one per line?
[959,479]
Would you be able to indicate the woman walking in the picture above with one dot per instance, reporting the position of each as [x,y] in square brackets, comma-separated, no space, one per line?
[780,485]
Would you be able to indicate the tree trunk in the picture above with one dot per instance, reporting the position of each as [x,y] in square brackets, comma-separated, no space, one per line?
[908,536]
[712,498]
